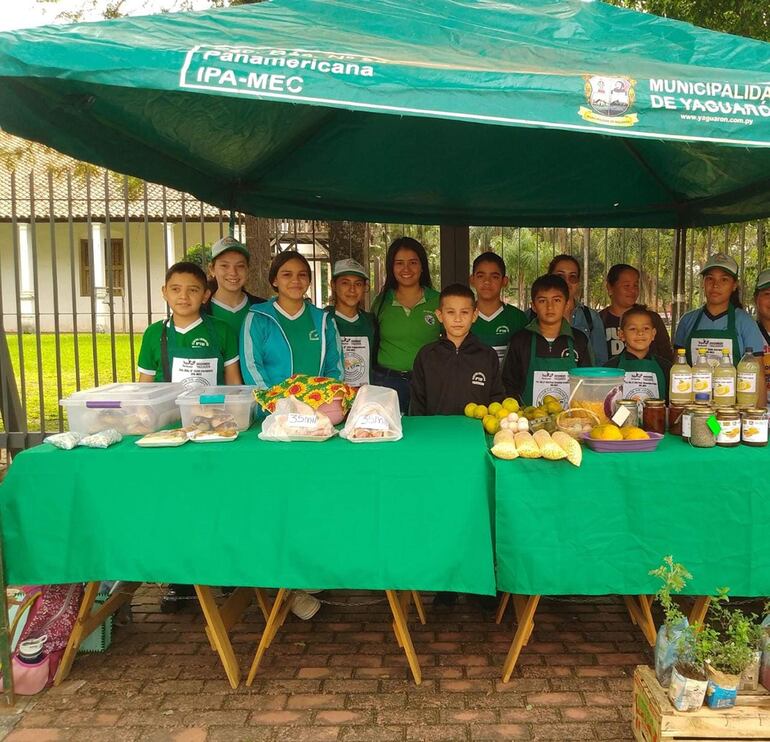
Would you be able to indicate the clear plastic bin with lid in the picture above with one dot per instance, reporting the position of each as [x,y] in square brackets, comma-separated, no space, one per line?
[596,389]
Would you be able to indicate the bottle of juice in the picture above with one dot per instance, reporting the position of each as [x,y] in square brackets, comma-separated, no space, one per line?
[724,381]
[702,374]
[748,375]
[680,381]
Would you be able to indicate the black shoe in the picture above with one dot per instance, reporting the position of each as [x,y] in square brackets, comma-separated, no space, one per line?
[445,599]
[174,598]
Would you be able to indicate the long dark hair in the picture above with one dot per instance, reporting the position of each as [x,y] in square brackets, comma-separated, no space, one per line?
[559,258]
[406,243]
[282,258]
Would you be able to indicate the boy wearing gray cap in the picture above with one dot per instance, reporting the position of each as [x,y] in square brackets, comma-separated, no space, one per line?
[350,282]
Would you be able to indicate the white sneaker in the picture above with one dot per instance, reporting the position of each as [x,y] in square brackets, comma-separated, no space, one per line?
[304,606]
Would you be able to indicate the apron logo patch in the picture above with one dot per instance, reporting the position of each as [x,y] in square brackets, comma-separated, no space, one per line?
[502,330]
[430,319]
[200,343]
[479,379]
[313,335]
[565,354]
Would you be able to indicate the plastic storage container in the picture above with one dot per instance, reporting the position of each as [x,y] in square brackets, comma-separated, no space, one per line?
[596,389]
[132,409]
[217,407]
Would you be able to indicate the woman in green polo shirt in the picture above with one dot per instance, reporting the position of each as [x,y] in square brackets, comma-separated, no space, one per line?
[405,311]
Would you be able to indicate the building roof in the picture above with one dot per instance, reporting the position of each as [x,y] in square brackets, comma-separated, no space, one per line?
[58,184]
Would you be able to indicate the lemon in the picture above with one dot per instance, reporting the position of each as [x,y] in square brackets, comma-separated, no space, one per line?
[494,408]
[744,386]
[502,413]
[607,432]
[701,385]
[683,386]
[722,390]
[550,398]
[634,434]
[511,404]
[470,409]
[480,412]
[553,408]
[491,424]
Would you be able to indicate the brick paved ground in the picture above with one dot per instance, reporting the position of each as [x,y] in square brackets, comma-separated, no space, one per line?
[341,676]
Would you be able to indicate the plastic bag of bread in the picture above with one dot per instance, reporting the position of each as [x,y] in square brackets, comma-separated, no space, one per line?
[526,446]
[296,421]
[548,448]
[375,416]
[570,446]
[504,446]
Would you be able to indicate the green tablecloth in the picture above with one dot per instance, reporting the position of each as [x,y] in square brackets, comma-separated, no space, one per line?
[408,515]
[599,529]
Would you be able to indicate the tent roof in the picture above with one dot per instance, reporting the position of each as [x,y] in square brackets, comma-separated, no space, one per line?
[536,112]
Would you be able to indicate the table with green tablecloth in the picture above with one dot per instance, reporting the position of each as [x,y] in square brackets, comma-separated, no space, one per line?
[600,528]
[404,516]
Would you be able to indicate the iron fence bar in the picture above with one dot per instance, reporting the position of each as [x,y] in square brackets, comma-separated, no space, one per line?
[164,215]
[147,260]
[73,284]
[128,272]
[92,277]
[55,279]
[109,272]
[17,286]
[184,227]
[203,224]
[36,299]
[657,268]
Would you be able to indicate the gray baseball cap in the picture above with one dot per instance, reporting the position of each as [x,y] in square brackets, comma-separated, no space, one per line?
[763,280]
[349,267]
[720,260]
[226,244]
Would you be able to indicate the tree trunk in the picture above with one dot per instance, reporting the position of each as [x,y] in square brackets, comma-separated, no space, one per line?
[258,232]
[348,240]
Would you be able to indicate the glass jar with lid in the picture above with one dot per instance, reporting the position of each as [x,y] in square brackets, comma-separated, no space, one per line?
[632,407]
[729,420]
[654,416]
[675,419]
[701,435]
[754,427]
[687,419]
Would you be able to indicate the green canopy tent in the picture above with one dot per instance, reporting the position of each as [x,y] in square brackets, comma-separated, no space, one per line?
[538,113]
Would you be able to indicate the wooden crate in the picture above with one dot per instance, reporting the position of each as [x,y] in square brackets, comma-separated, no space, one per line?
[656,720]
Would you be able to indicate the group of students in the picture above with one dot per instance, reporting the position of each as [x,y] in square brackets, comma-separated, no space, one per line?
[438,351]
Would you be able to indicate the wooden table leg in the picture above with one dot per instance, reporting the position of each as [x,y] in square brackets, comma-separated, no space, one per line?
[86,621]
[274,621]
[406,639]
[520,637]
[504,598]
[699,609]
[418,605]
[639,609]
[519,604]
[217,633]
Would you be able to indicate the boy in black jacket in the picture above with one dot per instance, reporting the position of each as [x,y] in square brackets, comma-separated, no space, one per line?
[458,368]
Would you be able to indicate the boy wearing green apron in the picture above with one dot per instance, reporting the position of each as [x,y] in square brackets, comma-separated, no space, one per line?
[541,355]
[189,348]
[646,374]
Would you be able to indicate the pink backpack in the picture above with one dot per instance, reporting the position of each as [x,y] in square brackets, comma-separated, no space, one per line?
[48,628]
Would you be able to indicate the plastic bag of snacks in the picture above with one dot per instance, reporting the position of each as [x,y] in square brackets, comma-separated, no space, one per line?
[374,417]
[102,439]
[329,396]
[66,441]
[293,420]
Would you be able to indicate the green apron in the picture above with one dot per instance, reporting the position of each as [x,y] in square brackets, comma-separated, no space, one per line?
[192,366]
[548,375]
[644,378]
[714,340]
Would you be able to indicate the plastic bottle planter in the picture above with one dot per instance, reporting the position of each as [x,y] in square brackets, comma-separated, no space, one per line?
[686,694]
[750,676]
[666,645]
[722,689]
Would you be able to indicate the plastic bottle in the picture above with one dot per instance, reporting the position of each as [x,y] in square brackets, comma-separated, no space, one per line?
[724,381]
[680,381]
[748,375]
[702,374]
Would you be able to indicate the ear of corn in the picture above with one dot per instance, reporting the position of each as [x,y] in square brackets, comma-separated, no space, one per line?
[570,446]
[526,446]
[548,448]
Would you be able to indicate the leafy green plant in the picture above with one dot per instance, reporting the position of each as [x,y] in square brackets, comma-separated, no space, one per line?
[673,577]
[728,640]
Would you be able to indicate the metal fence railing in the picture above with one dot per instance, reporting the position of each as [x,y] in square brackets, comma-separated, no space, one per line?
[83,254]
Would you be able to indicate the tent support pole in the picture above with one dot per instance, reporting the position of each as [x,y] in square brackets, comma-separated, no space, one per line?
[680,253]
[455,248]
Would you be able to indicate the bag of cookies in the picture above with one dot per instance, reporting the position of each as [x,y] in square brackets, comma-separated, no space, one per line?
[375,416]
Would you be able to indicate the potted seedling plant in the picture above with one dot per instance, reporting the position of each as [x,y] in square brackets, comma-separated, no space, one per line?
[673,577]
[689,678]
[764,668]
[728,642]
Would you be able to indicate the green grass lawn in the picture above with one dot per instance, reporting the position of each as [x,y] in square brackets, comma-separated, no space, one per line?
[53,366]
